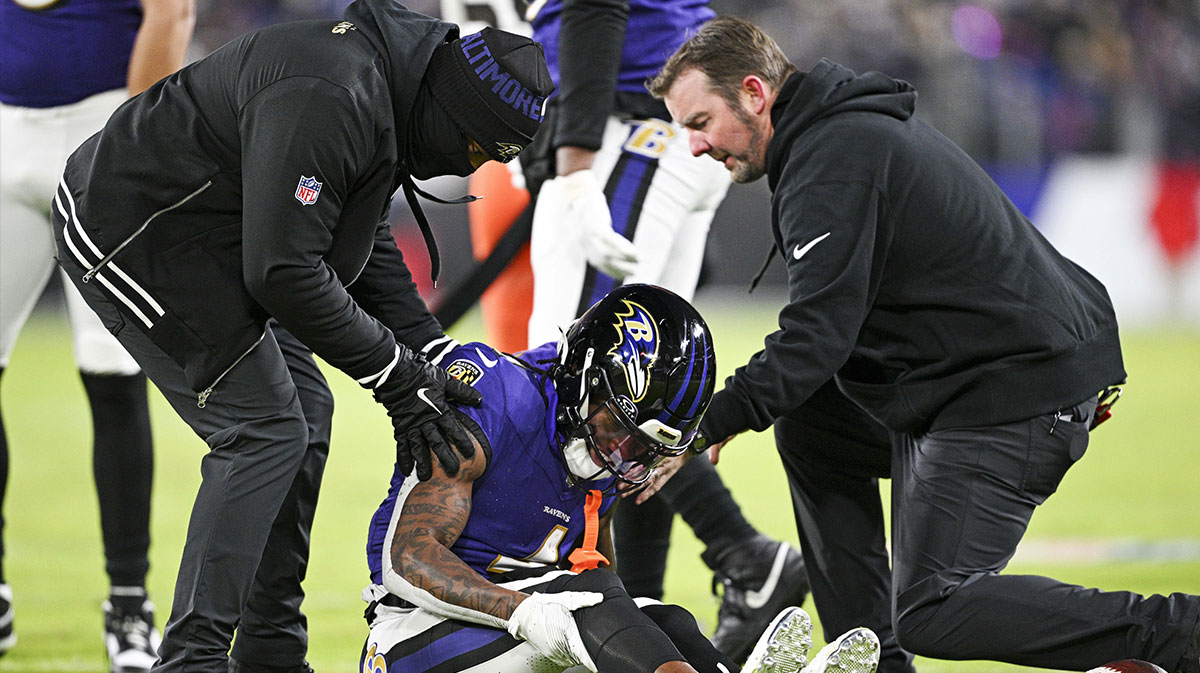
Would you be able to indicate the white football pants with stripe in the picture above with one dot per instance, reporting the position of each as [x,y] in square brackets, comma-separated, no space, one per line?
[660,197]
[34,146]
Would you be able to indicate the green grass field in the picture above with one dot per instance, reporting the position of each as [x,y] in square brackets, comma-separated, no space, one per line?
[1136,489]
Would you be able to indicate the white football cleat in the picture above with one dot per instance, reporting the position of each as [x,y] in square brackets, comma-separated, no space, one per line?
[855,651]
[783,647]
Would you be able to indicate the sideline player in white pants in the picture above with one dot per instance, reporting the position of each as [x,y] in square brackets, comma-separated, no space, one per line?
[67,67]
[645,188]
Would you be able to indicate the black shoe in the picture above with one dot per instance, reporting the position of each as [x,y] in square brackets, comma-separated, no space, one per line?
[129,635]
[760,578]
[236,666]
[8,637]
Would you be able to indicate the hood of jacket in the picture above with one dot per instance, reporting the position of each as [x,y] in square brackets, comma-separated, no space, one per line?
[829,89]
[406,40]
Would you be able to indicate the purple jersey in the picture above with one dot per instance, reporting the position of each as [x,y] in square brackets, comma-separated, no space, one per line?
[65,52]
[524,512]
[655,30]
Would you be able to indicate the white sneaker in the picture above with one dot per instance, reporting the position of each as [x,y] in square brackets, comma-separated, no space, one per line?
[131,639]
[855,651]
[8,637]
[783,647]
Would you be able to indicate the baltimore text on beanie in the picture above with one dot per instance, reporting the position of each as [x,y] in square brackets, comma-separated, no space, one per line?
[494,84]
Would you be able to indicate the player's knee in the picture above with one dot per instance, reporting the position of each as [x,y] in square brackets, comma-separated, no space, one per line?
[671,618]
[617,634]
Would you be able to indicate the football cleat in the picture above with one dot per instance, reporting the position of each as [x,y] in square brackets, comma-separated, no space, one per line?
[855,651]
[130,637]
[759,578]
[8,637]
[783,646]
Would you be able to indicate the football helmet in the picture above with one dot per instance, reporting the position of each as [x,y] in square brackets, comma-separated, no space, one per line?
[634,375]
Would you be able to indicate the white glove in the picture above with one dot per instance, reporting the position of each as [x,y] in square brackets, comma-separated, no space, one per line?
[545,621]
[578,200]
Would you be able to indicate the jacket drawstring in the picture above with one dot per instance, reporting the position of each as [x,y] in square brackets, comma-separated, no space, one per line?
[763,269]
[410,194]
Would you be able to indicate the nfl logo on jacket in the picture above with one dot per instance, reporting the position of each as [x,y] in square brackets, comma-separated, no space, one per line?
[307,190]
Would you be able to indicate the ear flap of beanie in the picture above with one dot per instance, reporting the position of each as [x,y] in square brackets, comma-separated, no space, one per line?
[494,85]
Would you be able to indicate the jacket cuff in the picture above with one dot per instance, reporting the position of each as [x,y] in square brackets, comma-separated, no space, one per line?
[727,415]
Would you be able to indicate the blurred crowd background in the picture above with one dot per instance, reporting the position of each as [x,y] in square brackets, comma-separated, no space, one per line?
[1027,87]
[1012,81]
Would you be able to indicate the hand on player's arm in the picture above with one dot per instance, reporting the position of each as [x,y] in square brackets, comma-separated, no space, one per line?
[417,398]
[425,572]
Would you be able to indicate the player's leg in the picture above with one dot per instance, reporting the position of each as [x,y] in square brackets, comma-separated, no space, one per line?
[407,639]
[641,541]
[624,635]
[564,284]
[26,262]
[833,455]
[411,640]
[619,637]
[273,635]
[677,210]
[680,626]
[962,499]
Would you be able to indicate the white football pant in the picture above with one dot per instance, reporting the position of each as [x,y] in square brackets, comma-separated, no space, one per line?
[34,146]
[660,197]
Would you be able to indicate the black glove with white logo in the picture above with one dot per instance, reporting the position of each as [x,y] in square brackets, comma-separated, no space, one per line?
[415,394]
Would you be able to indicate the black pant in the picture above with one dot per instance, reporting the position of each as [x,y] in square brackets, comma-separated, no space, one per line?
[267,429]
[961,501]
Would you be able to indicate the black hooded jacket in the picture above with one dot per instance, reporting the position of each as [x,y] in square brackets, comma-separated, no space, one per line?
[912,278]
[255,183]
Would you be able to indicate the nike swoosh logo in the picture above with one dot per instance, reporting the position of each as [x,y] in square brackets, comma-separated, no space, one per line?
[484,358]
[758,598]
[421,393]
[800,252]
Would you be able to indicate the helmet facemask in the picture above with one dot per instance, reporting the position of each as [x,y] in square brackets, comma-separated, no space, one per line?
[610,435]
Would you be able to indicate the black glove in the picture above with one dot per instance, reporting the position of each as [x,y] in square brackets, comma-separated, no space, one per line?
[415,394]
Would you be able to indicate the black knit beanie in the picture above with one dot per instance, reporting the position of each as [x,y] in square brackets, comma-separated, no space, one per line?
[494,84]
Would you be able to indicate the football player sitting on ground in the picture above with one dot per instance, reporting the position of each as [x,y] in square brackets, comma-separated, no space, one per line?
[497,568]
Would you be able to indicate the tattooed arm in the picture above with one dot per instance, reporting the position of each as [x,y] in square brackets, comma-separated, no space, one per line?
[423,569]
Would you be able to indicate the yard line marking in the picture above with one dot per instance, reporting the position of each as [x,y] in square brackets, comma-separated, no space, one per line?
[1101,550]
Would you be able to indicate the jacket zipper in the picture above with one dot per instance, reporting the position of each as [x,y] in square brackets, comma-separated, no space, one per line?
[108,258]
[202,398]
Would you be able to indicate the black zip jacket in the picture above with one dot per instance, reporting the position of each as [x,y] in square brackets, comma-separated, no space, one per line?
[196,192]
[912,279]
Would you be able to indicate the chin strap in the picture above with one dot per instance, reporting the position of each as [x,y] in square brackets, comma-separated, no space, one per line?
[586,557]
[411,190]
